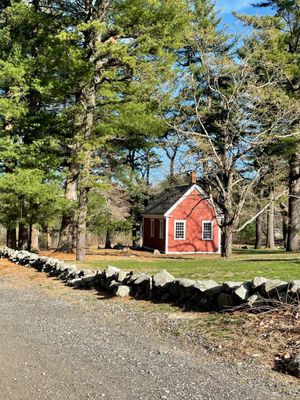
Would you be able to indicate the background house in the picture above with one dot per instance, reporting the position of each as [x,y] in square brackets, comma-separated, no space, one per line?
[182,220]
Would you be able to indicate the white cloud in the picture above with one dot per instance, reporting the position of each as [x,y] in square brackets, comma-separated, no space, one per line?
[226,6]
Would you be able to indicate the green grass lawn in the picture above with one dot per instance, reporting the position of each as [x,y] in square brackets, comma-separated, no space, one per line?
[242,266]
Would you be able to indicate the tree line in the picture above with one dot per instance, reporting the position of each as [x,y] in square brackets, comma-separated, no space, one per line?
[93,92]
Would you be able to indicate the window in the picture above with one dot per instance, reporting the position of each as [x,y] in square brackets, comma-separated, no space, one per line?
[207,230]
[152,227]
[161,228]
[179,233]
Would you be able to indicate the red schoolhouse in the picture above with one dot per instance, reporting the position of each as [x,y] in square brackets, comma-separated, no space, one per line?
[182,220]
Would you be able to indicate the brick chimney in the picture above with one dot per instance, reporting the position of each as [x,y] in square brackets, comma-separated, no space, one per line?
[193,178]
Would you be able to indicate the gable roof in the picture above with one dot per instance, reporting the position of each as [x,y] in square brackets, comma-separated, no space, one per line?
[161,204]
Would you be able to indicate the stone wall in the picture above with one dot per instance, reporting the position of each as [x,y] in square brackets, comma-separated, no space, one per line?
[260,293]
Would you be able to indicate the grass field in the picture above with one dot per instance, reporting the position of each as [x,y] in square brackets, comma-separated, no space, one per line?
[242,266]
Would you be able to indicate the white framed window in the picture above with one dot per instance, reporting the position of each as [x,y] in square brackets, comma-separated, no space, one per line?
[207,230]
[152,227]
[179,230]
[161,228]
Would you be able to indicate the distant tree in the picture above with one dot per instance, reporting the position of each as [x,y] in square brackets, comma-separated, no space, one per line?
[27,198]
[109,212]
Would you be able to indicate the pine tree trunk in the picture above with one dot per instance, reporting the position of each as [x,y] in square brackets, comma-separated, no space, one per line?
[294,204]
[66,235]
[81,225]
[259,232]
[35,239]
[23,237]
[226,241]
[29,238]
[85,157]
[108,239]
[270,223]
[11,240]
[49,240]
[134,233]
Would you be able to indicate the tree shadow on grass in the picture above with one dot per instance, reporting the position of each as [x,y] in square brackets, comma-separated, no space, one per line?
[285,260]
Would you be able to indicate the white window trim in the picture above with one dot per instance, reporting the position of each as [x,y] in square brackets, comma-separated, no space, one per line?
[184,229]
[152,228]
[212,229]
[161,228]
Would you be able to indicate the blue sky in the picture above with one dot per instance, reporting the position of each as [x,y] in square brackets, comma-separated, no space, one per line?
[241,6]
[238,5]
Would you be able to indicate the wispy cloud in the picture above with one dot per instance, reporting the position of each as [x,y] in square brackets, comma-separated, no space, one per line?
[226,6]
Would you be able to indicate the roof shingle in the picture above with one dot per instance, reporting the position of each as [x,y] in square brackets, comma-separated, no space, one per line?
[161,204]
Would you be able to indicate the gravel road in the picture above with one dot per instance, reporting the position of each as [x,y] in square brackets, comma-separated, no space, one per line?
[55,348]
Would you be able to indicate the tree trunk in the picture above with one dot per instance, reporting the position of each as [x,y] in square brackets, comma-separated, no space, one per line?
[85,165]
[226,241]
[172,169]
[49,240]
[134,232]
[81,224]
[270,223]
[294,203]
[29,238]
[35,239]
[11,240]
[259,232]
[66,235]
[108,239]
[23,237]
[285,223]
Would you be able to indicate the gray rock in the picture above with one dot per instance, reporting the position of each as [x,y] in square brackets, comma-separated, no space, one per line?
[256,300]
[112,285]
[225,300]
[208,287]
[121,275]
[111,272]
[156,253]
[229,287]
[186,283]
[141,279]
[75,282]
[122,291]
[257,282]
[133,276]
[294,287]
[243,292]
[186,289]
[142,286]
[293,366]
[162,283]
[162,278]
[273,287]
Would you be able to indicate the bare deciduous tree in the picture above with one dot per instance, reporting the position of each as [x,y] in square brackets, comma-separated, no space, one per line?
[236,112]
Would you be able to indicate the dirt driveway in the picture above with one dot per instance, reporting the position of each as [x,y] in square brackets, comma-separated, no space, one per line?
[57,343]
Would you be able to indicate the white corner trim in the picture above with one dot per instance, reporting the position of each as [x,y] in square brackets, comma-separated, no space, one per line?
[167,235]
[220,237]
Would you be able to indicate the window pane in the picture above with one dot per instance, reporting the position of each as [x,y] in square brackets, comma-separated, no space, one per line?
[152,227]
[161,229]
[179,230]
[207,230]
